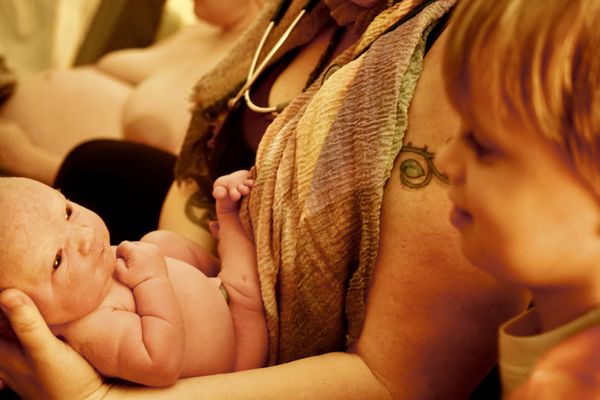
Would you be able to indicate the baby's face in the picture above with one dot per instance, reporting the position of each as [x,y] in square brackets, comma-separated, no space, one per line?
[56,251]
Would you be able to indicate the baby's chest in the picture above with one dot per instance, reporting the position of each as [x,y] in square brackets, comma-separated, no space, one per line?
[120,297]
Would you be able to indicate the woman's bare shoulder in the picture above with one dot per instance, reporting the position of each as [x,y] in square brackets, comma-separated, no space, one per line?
[429,331]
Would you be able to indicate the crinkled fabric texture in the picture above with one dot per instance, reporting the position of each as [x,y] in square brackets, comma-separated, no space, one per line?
[321,170]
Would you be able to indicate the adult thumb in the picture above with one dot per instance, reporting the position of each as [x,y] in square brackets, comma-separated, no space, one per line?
[25,319]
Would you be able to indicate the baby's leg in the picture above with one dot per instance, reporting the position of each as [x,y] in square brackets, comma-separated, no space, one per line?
[239,272]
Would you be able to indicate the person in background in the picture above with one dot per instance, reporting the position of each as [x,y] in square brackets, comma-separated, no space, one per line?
[525,180]
[365,291]
[140,95]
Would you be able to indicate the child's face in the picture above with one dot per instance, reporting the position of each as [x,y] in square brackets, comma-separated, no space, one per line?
[522,212]
[59,252]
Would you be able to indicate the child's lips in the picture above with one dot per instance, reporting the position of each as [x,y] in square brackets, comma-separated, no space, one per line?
[460,217]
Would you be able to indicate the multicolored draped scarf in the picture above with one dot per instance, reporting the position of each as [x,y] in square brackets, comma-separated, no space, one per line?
[321,170]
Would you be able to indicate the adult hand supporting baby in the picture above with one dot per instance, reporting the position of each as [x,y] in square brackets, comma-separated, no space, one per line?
[44,366]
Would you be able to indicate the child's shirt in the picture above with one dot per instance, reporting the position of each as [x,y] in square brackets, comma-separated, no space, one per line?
[522,344]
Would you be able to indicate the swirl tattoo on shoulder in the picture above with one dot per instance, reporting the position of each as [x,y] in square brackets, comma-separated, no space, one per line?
[419,168]
[196,201]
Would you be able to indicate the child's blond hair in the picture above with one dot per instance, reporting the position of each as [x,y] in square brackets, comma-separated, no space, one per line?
[538,62]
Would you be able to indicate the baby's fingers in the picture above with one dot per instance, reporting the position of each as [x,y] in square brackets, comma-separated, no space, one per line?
[121,270]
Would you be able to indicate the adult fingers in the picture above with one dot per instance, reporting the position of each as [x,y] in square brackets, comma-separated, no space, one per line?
[40,365]
[27,323]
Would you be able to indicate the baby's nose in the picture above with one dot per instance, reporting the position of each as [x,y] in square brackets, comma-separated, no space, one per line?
[83,239]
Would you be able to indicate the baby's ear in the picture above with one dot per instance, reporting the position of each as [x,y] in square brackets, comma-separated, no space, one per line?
[5,328]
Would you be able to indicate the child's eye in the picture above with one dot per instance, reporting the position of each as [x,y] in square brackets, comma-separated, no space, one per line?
[473,143]
[57,260]
[68,212]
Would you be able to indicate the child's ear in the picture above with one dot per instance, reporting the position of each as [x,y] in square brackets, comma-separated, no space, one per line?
[5,328]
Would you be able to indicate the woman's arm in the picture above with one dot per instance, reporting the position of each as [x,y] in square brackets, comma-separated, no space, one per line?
[333,376]
[180,215]
[46,368]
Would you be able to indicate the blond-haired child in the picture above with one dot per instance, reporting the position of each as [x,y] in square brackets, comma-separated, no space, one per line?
[525,178]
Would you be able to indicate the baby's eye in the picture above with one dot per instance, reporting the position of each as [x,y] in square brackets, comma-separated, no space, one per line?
[473,143]
[68,212]
[57,260]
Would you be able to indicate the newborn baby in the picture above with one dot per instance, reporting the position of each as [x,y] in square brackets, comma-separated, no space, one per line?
[131,310]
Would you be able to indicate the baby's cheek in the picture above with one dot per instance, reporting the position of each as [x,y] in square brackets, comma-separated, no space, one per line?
[52,312]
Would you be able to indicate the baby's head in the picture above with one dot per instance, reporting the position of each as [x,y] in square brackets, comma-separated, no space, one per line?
[52,249]
[524,76]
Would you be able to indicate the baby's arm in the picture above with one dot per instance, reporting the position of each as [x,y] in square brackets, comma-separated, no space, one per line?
[147,346]
[239,271]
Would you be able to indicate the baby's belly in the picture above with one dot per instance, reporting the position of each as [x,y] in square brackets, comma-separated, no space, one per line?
[210,340]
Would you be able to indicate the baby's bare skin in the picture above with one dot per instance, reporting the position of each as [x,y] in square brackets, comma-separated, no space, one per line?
[134,311]
[199,311]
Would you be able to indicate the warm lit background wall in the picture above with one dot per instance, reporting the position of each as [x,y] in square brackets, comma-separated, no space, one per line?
[41,34]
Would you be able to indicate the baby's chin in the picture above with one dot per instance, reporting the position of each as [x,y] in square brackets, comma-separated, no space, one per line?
[56,317]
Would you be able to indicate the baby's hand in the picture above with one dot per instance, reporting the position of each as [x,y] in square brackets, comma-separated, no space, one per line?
[229,189]
[138,262]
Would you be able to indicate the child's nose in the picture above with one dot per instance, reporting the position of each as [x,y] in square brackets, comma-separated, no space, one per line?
[449,162]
